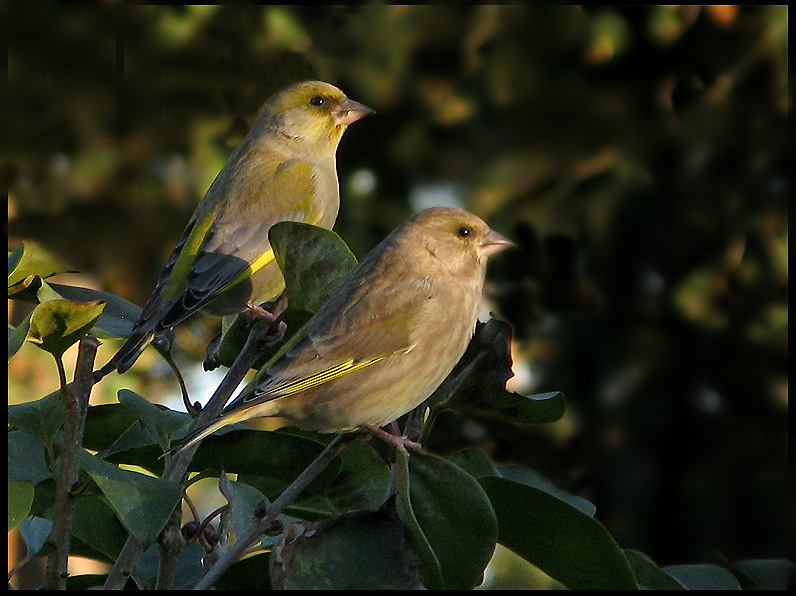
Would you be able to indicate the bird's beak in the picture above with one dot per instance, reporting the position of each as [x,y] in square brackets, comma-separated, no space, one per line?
[350,111]
[494,243]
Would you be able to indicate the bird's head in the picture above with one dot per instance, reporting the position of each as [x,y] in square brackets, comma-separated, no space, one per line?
[313,113]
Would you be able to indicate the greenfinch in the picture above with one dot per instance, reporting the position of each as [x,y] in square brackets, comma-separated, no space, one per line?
[386,338]
[283,170]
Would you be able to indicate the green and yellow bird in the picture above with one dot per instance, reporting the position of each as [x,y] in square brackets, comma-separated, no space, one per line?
[388,336]
[284,170]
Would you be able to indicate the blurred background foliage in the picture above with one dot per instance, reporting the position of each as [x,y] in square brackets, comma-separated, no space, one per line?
[638,156]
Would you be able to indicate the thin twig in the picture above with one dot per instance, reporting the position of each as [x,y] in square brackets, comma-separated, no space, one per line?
[258,527]
[76,402]
[176,469]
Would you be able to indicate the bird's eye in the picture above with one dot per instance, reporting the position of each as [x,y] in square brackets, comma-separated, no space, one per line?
[317,100]
[463,232]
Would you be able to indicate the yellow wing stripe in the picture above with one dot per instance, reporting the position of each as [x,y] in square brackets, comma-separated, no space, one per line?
[324,376]
[258,264]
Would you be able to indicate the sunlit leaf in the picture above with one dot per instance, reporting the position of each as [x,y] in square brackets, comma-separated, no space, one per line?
[313,260]
[57,324]
[20,498]
[29,262]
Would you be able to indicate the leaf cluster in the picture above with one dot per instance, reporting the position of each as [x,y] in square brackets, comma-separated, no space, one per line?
[368,520]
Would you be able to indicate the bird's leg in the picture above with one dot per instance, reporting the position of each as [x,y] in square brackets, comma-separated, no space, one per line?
[394,438]
[276,333]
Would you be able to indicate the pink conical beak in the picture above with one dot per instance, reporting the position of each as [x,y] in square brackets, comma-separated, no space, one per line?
[494,243]
[350,111]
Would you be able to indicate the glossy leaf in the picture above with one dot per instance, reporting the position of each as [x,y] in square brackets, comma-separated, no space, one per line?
[41,418]
[17,335]
[529,477]
[363,550]
[648,574]
[35,531]
[243,500]
[27,458]
[100,533]
[117,318]
[57,324]
[28,262]
[478,382]
[143,503]
[161,423]
[313,260]
[769,574]
[188,569]
[275,454]
[558,538]
[20,499]
[455,516]
[703,577]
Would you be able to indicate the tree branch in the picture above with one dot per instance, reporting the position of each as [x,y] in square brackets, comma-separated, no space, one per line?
[259,527]
[76,402]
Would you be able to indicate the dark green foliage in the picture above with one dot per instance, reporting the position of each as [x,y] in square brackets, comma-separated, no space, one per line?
[639,158]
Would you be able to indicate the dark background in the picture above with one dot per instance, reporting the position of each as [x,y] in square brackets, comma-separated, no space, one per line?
[638,156]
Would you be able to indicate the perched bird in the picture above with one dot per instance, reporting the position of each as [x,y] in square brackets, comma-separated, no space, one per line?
[387,337]
[283,170]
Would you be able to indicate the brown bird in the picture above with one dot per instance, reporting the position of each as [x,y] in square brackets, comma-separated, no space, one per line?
[388,336]
[283,170]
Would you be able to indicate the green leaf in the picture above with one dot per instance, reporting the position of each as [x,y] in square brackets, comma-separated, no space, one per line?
[20,499]
[57,324]
[41,418]
[478,382]
[105,424]
[648,574]
[456,518]
[478,465]
[35,531]
[363,481]
[769,574]
[273,454]
[235,336]
[189,568]
[243,501]
[143,503]
[558,538]
[313,260]
[161,423]
[362,550]
[475,462]
[530,477]
[703,577]
[16,337]
[117,318]
[29,262]
[96,526]
[27,458]
[429,563]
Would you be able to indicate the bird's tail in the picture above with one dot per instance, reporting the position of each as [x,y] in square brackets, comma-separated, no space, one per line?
[127,354]
[231,417]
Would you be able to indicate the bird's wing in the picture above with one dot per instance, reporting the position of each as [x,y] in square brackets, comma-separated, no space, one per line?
[226,244]
[341,341]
